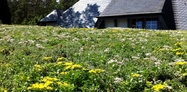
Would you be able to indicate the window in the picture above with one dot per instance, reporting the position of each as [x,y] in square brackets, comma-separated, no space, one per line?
[137,23]
[148,23]
[151,24]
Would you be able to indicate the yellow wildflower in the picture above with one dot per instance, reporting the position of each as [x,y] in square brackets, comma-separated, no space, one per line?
[114,31]
[177,49]
[40,86]
[180,63]
[7,64]
[3,90]
[45,79]
[149,83]
[136,75]
[47,83]
[178,53]
[47,58]
[67,68]
[70,65]
[37,65]
[183,74]
[67,64]
[49,88]
[178,43]
[158,87]
[96,71]
[76,66]
[64,73]
[60,59]
[63,84]
[59,63]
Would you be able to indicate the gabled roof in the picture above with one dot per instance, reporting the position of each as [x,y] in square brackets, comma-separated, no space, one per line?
[132,7]
[83,13]
[53,16]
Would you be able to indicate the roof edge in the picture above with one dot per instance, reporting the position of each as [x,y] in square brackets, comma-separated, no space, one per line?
[129,15]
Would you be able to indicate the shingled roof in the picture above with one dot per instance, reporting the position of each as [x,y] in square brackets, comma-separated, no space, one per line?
[180,12]
[132,7]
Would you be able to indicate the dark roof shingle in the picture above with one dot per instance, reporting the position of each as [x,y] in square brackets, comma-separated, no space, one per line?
[132,7]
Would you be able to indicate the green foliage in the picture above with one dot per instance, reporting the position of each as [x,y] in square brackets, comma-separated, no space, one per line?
[29,12]
[58,59]
[64,4]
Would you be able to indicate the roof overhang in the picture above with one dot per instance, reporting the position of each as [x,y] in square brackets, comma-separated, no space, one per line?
[131,15]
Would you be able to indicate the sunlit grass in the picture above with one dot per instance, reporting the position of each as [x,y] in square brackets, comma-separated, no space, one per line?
[57,59]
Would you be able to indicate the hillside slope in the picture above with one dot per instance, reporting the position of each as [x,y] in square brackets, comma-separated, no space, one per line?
[74,59]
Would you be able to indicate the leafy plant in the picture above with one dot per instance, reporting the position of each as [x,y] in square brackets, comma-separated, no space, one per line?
[57,59]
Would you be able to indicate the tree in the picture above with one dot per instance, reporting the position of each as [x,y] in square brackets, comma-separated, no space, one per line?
[65,4]
[29,12]
[5,15]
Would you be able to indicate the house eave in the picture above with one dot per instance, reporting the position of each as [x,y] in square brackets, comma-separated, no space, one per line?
[127,15]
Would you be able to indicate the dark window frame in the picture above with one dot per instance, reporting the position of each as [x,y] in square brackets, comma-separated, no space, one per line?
[142,22]
[153,23]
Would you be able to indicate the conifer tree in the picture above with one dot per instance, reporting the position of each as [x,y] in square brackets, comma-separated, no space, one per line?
[5,15]
[29,12]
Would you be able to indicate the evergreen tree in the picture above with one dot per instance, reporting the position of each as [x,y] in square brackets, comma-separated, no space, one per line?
[29,12]
[5,15]
[65,4]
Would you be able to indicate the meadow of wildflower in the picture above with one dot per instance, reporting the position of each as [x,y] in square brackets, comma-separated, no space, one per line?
[55,59]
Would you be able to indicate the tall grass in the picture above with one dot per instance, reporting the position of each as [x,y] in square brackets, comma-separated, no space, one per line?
[57,59]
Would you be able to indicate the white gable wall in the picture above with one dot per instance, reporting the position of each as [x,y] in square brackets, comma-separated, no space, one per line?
[122,23]
[109,23]
[83,13]
[82,4]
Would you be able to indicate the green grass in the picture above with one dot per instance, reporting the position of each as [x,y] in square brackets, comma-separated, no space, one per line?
[58,59]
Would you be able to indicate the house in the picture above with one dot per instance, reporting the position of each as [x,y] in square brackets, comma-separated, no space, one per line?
[149,14]
[52,19]
[81,14]
[180,13]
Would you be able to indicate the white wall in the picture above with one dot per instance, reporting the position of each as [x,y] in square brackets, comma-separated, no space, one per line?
[109,23]
[84,13]
[122,23]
